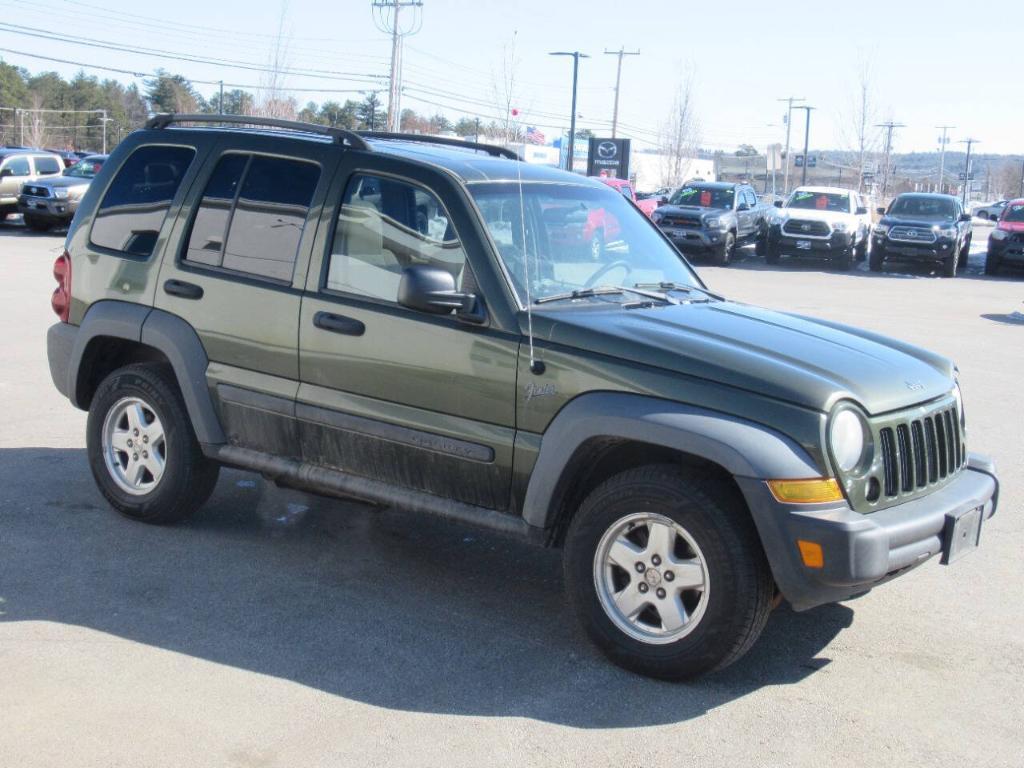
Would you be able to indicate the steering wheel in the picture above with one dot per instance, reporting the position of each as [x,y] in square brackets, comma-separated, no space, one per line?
[621,263]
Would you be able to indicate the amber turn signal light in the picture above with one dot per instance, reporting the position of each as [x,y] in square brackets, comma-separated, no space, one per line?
[811,554]
[818,490]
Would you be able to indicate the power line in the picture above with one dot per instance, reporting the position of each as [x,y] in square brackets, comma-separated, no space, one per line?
[390,24]
[618,81]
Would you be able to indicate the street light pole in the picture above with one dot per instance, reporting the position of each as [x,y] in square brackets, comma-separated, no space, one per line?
[942,154]
[967,168]
[807,142]
[576,56]
[890,127]
[789,122]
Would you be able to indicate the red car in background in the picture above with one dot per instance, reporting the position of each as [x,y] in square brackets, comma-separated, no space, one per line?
[626,190]
[1006,243]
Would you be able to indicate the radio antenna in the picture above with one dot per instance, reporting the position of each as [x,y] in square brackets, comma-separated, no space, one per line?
[536,366]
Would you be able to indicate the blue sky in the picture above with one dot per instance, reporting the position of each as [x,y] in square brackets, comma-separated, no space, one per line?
[931,63]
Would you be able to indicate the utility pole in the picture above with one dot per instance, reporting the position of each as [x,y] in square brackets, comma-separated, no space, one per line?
[618,81]
[807,142]
[386,19]
[890,126]
[1022,180]
[104,119]
[576,56]
[789,121]
[221,97]
[967,168]
[943,141]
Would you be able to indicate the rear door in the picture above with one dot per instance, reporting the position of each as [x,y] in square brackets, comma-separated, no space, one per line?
[746,219]
[15,170]
[46,166]
[426,402]
[234,269]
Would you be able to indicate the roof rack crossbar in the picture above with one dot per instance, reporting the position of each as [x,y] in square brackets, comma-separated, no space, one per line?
[446,141]
[340,135]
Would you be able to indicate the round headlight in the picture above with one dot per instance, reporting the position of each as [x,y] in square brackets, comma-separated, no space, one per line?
[847,440]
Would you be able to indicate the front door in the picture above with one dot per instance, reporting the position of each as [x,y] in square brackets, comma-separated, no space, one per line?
[235,272]
[421,401]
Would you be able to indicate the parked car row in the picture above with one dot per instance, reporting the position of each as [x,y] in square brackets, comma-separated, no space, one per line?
[38,184]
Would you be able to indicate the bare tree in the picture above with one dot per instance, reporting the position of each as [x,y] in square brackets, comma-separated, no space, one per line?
[680,133]
[506,94]
[858,122]
[273,99]
[36,132]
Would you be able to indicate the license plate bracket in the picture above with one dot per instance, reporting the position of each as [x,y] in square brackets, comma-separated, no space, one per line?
[803,245]
[961,534]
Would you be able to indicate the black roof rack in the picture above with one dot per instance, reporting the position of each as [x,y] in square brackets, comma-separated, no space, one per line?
[340,135]
[444,140]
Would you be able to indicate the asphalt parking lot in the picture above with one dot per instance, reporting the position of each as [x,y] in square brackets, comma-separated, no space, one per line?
[279,629]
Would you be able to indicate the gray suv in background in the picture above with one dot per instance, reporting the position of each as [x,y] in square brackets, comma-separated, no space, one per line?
[52,201]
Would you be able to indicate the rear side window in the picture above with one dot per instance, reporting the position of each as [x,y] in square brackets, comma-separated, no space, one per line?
[133,209]
[252,214]
[48,165]
[18,166]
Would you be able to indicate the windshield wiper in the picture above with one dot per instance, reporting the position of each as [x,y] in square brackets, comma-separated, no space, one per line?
[668,285]
[606,290]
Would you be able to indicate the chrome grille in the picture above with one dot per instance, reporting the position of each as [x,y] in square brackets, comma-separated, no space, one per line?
[921,451]
[912,235]
[806,228]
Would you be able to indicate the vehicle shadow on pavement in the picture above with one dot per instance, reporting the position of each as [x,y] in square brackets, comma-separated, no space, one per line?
[391,609]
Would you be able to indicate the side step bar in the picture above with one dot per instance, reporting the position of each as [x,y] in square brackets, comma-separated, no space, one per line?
[310,477]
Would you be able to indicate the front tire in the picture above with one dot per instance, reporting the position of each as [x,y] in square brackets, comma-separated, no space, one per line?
[844,260]
[724,253]
[666,573]
[142,449]
[36,224]
[861,252]
[951,264]
[991,264]
[877,259]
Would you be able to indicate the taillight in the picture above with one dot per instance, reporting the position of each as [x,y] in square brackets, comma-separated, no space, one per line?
[61,299]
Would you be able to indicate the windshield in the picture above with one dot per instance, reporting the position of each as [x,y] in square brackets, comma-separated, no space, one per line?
[705,197]
[84,169]
[925,207]
[576,237]
[1014,212]
[820,201]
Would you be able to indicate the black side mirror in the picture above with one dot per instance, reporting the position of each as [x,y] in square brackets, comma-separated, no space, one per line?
[663,200]
[965,217]
[742,207]
[778,203]
[880,211]
[432,290]
[6,172]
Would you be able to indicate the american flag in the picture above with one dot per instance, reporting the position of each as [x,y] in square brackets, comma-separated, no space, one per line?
[535,136]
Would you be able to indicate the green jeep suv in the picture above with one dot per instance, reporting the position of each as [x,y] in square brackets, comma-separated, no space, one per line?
[417,322]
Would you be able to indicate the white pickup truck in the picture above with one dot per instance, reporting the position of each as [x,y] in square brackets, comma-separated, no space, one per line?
[825,222]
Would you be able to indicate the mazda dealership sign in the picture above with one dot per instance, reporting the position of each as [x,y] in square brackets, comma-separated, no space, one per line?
[608,156]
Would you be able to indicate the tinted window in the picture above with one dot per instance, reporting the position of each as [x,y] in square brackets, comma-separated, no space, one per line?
[929,207]
[18,166]
[133,209]
[252,215]
[383,227]
[48,165]
[210,227]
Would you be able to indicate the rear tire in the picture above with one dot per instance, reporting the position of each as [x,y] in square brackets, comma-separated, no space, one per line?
[668,628]
[965,254]
[772,255]
[137,410]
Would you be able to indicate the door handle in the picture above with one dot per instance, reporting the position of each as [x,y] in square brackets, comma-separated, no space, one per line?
[338,324]
[183,289]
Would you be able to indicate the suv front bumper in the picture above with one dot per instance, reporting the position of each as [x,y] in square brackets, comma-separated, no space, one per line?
[939,250]
[687,239]
[862,551]
[48,208]
[791,245]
